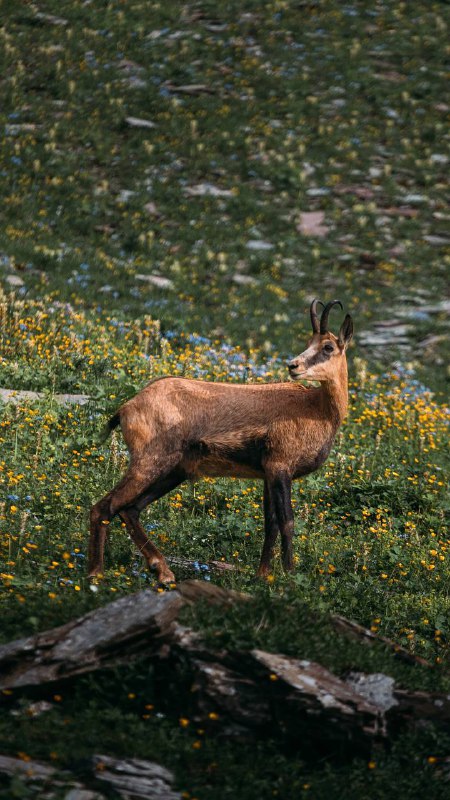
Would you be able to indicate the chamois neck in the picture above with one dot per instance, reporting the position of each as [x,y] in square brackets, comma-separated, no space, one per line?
[335,396]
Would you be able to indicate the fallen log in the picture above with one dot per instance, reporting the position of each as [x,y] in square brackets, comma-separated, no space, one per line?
[299,700]
[283,697]
[205,567]
[365,636]
[134,626]
[37,777]
[131,779]
[134,778]
[250,692]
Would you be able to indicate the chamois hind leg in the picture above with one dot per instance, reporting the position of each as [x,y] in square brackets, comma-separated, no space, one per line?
[130,486]
[100,519]
[155,559]
[134,484]
[270,533]
[130,516]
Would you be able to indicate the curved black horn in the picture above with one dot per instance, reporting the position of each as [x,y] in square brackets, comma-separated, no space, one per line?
[325,313]
[314,316]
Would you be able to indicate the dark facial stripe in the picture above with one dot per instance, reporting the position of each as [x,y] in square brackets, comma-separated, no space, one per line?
[319,358]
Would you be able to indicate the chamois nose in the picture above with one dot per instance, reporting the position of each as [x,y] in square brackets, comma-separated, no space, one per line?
[292,365]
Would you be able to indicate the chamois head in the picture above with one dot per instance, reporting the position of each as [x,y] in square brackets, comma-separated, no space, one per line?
[325,352]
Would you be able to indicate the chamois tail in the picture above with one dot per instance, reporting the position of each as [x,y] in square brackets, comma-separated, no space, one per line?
[112,423]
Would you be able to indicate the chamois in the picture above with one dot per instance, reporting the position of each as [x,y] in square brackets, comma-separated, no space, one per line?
[178,429]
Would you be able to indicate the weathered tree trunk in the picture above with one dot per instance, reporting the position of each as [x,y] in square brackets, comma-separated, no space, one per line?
[134,626]
[135,778]
[365,636]
[131,779]
[251,692]
[297,699]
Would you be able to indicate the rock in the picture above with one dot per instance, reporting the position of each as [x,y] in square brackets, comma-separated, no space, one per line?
[391,75]
[377,688]
[319,192]
[207,190]
[399,211]
[438,241]
[259,244]
[363,192]
[125,195]
[438,308]
[189,88]
[130,66]
[312,223]
[14,280]
[415,199]
[17,396]
[134,82]
[38,776]
[34,709]
[439,158]
[244,280]
[397,250]
[16,129]
[390,335]
[17,766]
[50,19]
[433,339]
[156,280]
[134,778]
[137,122]
[262,185]
[151,209]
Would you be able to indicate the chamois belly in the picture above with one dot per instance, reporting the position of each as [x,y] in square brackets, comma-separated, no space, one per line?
[214,467]
[246,461]
[215,461]
[313,460]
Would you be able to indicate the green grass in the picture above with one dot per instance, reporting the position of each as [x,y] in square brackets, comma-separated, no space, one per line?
[329,98]
[316,107]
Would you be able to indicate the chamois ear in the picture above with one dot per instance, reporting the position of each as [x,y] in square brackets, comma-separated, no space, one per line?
[346,332]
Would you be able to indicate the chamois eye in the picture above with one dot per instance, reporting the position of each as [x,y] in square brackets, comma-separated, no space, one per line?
[328,348]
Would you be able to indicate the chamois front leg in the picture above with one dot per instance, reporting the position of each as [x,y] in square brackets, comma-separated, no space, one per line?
[280,485]
[100,518]
[270,533]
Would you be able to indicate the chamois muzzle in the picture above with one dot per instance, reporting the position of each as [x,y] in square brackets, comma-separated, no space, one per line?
[292,367]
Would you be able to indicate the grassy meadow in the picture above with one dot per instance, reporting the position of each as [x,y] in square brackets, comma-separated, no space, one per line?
[160,164]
